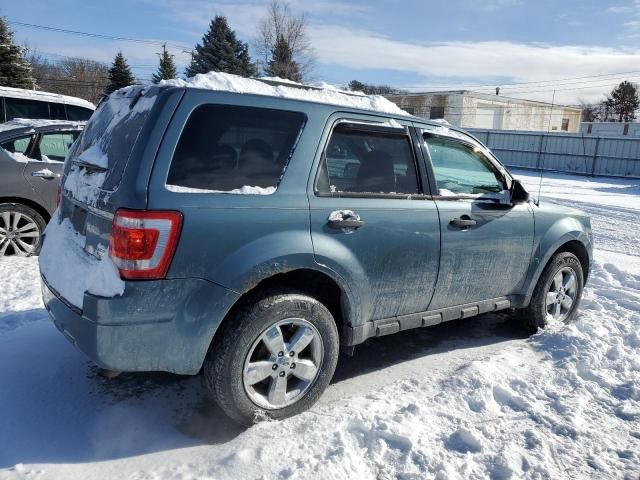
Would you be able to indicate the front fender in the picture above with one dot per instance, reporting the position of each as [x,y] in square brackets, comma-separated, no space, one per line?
[554,236]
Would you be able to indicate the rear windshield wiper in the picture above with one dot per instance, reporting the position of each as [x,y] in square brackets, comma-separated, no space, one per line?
[90,166]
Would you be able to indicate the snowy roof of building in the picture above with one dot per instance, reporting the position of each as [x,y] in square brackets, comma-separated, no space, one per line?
[45,97]
[277,87]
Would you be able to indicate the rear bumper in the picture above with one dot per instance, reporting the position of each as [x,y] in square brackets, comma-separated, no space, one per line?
[154,326]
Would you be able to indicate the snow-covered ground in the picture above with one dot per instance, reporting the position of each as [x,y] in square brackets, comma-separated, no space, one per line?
[469,399]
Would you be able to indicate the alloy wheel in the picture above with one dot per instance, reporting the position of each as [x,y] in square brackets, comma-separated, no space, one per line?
[283,363]
[561,295]
[19,234]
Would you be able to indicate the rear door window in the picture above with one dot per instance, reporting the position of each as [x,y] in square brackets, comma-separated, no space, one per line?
[225,148]
[368,162]
[55,146]
[23,108]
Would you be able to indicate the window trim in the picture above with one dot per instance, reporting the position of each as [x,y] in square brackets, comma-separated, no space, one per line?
[379,127]
[497,168]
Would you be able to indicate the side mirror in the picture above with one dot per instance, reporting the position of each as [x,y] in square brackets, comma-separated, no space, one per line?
[518,193]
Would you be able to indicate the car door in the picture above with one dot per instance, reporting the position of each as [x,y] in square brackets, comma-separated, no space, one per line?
[486,241]
[45,164]
[370,220]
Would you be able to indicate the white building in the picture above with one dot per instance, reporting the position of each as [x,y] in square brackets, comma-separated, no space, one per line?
[611,129]
[467,109]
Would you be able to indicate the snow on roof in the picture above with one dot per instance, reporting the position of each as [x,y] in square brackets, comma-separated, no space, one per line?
[322,93]
[44,97]
[36,123]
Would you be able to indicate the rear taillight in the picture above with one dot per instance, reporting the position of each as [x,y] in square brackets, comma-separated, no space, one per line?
[58,196]
[143,242]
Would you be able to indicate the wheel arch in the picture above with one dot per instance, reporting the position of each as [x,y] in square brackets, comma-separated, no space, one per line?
[575,243]
[28,203]
[312,282]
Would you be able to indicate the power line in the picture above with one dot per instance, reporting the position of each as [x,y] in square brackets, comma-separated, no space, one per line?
[101,36]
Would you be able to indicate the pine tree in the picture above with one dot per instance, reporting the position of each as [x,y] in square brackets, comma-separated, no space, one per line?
[15,71]
[624,101]
[166,69]
[221,51]
[282,64]
[119,75]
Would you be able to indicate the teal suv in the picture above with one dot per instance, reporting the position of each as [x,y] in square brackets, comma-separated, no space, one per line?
[251,237]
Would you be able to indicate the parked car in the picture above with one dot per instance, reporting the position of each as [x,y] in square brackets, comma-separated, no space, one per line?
[31,158]
[252,237]
[21,103]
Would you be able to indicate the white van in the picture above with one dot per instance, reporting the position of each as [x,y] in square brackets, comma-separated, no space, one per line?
[19,103]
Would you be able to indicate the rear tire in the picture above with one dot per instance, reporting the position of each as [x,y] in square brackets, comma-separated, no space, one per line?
[255,369]
[21,229]
[557,294]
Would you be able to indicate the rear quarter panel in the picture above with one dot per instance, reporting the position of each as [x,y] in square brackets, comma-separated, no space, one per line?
[238,240]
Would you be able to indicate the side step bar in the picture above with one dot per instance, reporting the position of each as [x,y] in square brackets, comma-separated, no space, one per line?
[387,326]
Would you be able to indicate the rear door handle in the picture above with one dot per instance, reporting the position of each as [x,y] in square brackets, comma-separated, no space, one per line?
[463,222]
[344,219]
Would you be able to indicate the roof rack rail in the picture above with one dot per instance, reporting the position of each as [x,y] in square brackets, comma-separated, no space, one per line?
[301,86]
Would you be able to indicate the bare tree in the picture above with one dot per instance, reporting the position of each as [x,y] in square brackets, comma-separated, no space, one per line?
[74,76]
[591,112]
[279,22]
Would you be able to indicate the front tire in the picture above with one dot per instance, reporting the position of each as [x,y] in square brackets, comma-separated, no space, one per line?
[273,358]
[557,294]
[21,230]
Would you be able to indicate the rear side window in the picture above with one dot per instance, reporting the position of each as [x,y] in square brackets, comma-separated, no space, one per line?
[78,114]
[55,146]
[23,108]
[226,148]
[17,145]
[368,162]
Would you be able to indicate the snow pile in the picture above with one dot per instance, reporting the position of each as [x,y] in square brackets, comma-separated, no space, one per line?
[20,294]
[245,190]
[17,156]
[71,271]
[233,83]
[565,404]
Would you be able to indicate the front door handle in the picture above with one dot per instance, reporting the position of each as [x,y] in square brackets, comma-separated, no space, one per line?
[344,219]
[46,174]
[463,222]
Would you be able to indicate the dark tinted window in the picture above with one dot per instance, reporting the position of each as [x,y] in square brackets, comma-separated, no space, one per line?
[78,113]
[57,111]
[22,108]
[436,112]
[224,148]
[361,161]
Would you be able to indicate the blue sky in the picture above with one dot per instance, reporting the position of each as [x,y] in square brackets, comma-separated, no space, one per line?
[423,45]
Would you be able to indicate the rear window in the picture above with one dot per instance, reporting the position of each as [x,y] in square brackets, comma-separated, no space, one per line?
[226,148]
[111,133]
